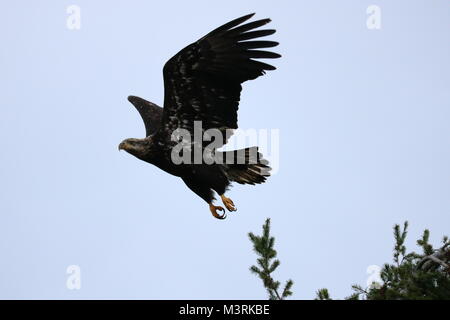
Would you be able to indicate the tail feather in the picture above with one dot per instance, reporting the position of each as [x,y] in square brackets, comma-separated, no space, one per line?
[246,166]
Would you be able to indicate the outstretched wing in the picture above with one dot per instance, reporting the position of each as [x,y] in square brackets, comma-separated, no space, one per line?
[150,113]
[203,81]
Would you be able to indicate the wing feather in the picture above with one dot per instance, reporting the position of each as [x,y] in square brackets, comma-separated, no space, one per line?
[150,113]
[203,81]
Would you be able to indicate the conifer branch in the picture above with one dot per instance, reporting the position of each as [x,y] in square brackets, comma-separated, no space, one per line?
[412,276]
[322,294]
[267,263]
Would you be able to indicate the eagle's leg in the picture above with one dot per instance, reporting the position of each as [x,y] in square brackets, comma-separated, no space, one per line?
[214,209]
[228,203]
[206,194]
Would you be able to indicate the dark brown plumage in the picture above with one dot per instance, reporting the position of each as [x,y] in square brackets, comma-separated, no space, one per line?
[202,83]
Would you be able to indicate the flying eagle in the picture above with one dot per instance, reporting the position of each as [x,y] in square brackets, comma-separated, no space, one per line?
[202,84]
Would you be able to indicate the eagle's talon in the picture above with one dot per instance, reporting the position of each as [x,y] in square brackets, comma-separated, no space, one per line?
[228,203]
[214,209]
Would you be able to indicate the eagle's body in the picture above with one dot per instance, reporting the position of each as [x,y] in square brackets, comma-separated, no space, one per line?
[202,85]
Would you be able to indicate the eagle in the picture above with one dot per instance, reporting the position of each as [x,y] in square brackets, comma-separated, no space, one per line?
[202,86]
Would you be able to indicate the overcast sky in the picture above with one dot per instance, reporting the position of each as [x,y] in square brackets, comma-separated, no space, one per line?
[363,119]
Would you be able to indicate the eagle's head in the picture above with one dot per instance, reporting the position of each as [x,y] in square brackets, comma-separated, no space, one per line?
[139,148]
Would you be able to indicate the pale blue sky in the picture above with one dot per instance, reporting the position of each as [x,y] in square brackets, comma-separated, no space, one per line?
[364,132]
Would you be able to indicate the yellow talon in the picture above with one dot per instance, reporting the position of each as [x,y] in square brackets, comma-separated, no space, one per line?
[228,203]
[214,209]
